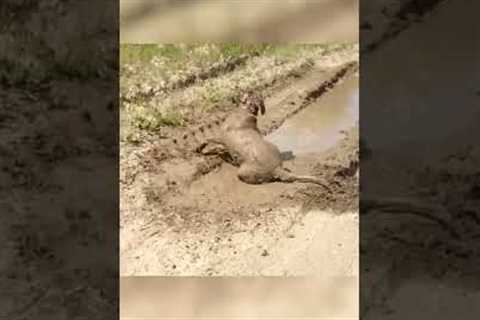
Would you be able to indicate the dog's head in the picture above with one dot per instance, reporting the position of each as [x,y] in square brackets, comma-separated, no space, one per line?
[253,102]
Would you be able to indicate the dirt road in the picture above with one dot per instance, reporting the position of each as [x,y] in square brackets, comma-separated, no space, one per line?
[192,216]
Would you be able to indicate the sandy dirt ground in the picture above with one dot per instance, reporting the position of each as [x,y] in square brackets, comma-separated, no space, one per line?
[190,215]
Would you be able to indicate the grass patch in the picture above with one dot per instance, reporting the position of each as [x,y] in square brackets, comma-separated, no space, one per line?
[177,58]
[179,54]
[151,119]
[144,53]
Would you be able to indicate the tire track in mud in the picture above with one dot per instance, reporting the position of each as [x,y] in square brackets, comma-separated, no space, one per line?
[316,85]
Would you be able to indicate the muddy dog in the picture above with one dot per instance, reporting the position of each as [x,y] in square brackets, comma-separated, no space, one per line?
[259,161]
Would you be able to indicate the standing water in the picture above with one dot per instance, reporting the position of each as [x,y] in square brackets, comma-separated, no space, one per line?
[320,125]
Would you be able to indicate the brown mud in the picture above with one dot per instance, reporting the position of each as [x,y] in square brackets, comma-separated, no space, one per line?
[191,215]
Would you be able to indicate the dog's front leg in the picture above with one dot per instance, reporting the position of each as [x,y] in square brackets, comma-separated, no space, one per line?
[212,146]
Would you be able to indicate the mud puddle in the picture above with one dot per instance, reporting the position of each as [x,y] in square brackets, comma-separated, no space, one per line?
[307,134]
[321,125]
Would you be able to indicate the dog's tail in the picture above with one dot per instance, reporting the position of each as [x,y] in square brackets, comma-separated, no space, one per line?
[283,175]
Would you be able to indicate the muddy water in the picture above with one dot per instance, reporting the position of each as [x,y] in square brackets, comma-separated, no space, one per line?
[319,126]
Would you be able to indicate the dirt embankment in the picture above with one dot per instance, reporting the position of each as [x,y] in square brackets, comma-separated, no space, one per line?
[190,215]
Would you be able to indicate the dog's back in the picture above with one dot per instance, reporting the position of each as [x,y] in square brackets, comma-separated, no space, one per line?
[254,151]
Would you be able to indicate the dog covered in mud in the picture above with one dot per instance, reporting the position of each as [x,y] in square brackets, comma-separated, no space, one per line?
[259,161]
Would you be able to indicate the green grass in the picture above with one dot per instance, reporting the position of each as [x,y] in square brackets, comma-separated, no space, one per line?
[152,120]
[180,54]
[144,53]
